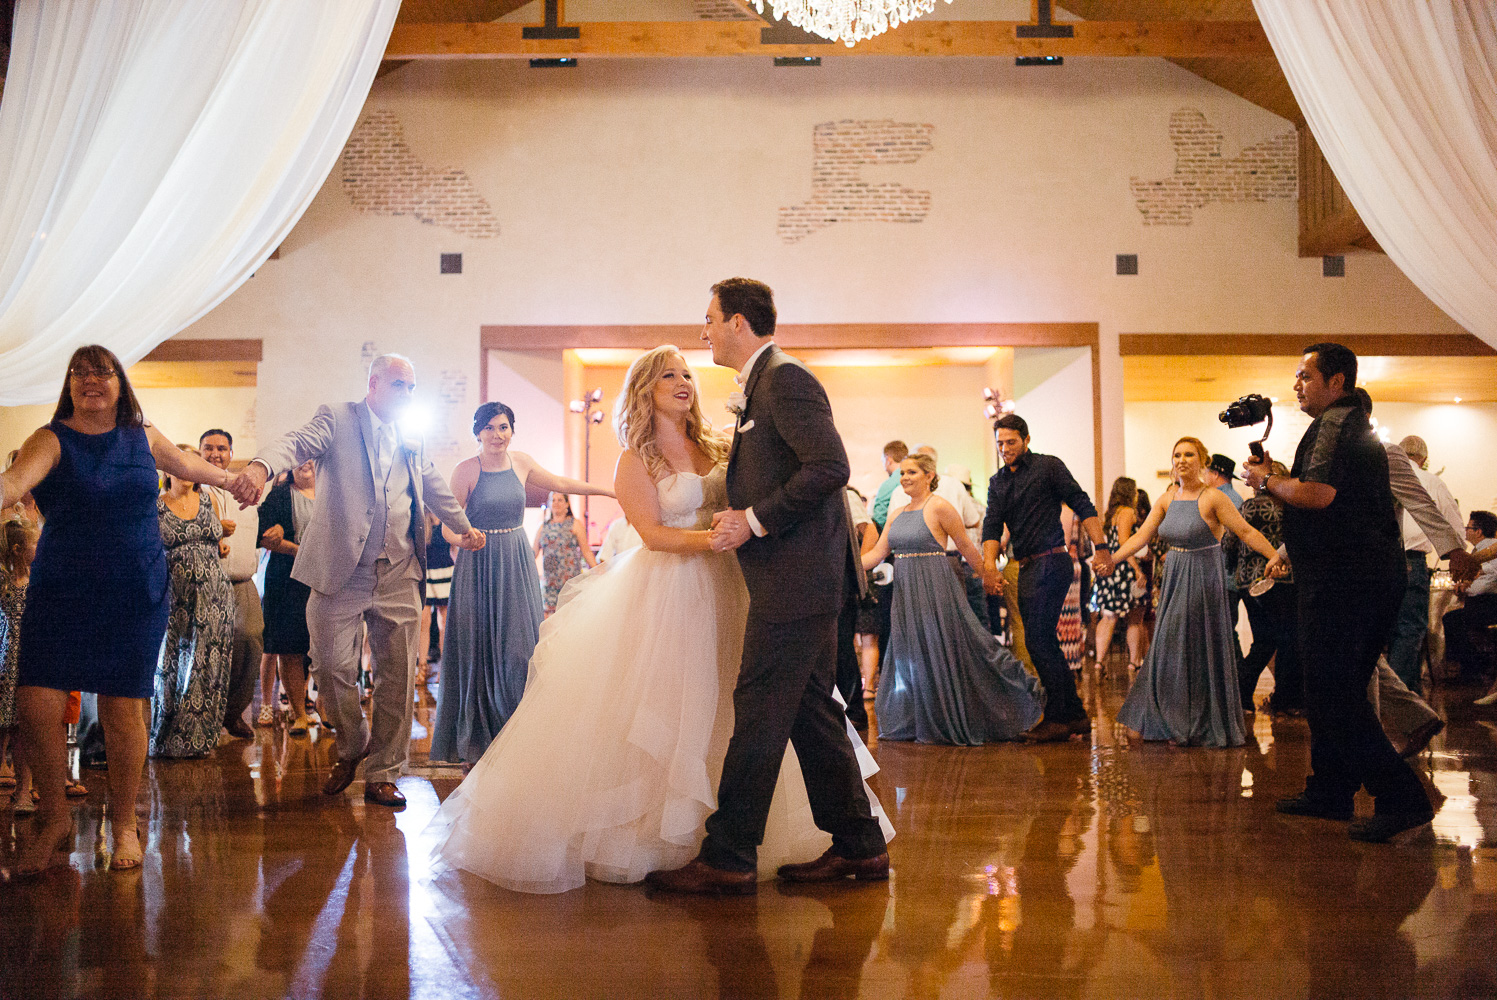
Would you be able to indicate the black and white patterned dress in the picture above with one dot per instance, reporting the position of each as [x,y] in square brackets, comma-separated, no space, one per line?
[1113,594]
[192,679]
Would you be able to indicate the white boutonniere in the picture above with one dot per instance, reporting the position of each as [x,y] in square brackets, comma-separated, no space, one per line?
[737,403]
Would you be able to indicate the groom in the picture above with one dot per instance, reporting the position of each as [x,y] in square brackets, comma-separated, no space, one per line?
[786,473]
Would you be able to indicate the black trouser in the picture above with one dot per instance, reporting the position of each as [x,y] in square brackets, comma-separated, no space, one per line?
[1275,638]
[1463,624]
[1043,583]
[784,693]
[849,670]
[1344,625]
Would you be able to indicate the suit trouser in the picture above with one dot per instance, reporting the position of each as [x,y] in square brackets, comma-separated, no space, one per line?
[386,597]
[1042,593]
[784,694]
[249,644]
[1344,625]
[849,670]
[1400,710]
[1412,625]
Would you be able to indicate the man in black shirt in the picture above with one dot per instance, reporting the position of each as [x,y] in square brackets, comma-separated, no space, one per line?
[1346,548]
[1025,496]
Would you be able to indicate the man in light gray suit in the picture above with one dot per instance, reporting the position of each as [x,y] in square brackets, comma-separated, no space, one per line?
[364,556]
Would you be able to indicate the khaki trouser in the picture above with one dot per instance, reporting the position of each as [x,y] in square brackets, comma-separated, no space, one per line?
[1015,621]
[386,598]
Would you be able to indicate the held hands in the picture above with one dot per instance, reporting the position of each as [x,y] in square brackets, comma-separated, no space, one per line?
[1102,563]
[472,540]
[247,486]
[1463,568]
[1276,568]
[730,529]
[992,580]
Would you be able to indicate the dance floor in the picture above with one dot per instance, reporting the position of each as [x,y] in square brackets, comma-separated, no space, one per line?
[1079,870]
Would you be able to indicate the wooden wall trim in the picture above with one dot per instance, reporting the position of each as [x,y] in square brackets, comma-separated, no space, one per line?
[805,336]
[1408,345]
[208,350]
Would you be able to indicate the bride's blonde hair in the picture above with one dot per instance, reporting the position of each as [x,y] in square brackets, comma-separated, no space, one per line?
[634,415]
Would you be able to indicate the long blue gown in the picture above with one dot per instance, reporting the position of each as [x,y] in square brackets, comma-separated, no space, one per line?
[493,621]
[945,678]
[1186,691]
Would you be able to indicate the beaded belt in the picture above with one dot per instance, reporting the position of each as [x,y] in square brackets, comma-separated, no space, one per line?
[1203,548]
[500,531]
[916,555]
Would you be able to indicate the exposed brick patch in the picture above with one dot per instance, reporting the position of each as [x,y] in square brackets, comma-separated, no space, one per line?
[720,10]
[381,175]
[839,193]
[1268,171]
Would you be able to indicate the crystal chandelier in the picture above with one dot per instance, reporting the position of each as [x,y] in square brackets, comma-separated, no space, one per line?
[847,21]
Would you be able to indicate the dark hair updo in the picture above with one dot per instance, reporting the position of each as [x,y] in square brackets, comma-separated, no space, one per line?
[487,412]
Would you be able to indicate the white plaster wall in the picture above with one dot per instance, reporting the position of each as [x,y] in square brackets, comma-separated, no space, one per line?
[624,188]
[1459,438]
[1053,393]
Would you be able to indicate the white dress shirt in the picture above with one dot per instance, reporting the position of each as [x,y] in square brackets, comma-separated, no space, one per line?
[742,379]
[1414,538]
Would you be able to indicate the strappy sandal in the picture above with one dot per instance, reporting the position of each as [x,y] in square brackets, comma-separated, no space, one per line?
[120,862]
[25,805]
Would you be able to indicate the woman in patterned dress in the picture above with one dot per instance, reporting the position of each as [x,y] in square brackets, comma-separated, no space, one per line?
[562,545]
[192,680]
[1114,597]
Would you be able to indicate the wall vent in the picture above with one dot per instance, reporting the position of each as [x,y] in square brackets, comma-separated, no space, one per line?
[452,263]
[1127,263]
[1333,267]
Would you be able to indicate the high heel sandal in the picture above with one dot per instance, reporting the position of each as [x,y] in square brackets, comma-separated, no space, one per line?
[129,862]
[60,856]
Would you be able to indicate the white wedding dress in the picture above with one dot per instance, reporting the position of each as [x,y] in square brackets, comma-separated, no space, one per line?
[609,767]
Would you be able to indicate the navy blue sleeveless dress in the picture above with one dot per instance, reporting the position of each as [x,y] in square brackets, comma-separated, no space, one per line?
[944,679]
[493,622]
[97,604]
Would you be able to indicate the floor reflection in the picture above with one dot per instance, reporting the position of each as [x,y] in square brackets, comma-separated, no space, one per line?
[1079,870]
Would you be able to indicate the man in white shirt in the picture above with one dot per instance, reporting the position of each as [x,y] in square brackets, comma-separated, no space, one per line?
[1479,612]
[620,537]
[1406,647]
[242,538]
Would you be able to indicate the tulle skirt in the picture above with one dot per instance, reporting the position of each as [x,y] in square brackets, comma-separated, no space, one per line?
[609,767]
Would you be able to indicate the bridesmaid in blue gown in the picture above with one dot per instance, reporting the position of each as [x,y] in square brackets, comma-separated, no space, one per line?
[494,610]
[1186,692]
[945,678]
[97,601]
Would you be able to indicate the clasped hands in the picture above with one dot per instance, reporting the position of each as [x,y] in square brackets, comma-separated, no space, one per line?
[730,529]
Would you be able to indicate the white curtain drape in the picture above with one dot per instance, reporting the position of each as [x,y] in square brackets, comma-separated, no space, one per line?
[153,153]
[1401,95]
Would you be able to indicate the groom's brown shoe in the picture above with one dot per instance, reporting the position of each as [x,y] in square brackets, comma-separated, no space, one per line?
[830,868]
[701,878]
[343,773]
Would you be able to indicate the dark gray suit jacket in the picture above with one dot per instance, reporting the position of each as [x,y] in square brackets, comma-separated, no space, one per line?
[789,465]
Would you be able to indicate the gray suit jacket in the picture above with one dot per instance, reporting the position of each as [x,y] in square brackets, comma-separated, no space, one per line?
[340,439]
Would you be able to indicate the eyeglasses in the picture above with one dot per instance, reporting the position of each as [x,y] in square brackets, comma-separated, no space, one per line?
[91,374]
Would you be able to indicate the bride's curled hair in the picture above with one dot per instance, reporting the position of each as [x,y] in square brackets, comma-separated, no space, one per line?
[634,416]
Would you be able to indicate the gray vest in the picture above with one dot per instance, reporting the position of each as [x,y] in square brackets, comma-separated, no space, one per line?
[390,528]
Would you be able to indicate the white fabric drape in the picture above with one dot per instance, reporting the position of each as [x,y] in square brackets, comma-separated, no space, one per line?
[1401,95]
[153,153]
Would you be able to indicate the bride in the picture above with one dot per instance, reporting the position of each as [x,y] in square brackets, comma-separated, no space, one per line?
[608,767]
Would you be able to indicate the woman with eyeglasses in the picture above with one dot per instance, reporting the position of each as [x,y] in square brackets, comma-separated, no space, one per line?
[97,602]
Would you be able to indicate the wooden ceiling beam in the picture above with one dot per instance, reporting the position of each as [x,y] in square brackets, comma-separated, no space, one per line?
[667,39]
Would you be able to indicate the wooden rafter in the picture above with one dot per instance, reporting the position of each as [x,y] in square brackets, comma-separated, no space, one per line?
[658,39]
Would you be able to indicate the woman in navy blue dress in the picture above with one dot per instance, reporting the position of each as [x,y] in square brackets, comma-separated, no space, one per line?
[97,603]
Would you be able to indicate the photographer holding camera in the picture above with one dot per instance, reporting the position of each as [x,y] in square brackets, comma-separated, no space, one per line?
[1346,548]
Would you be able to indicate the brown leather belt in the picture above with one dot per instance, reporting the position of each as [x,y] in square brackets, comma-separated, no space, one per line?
[1026,560]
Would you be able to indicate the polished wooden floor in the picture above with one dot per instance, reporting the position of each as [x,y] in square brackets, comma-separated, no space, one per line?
[1081,870]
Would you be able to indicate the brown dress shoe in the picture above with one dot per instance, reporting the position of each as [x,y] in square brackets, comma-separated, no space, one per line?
[1048,732]
[1080,727]
[701,878]
[830,868]
[384,793]
[239,729]
[343,773]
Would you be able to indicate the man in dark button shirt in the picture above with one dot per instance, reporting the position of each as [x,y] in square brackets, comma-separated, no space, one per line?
[1025,496]
[1346,548]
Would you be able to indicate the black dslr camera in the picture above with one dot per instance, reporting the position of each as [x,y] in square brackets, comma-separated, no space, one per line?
[1250,409]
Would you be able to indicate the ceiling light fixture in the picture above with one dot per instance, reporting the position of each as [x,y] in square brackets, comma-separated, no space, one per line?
[847,21]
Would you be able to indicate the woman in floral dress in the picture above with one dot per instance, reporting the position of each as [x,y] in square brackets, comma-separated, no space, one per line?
[562,545]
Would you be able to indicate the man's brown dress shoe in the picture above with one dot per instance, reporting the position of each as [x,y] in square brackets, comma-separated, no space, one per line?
[384,793]
[1048,732]
[700,877]
[239,729]
[830,868]
[343,773]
